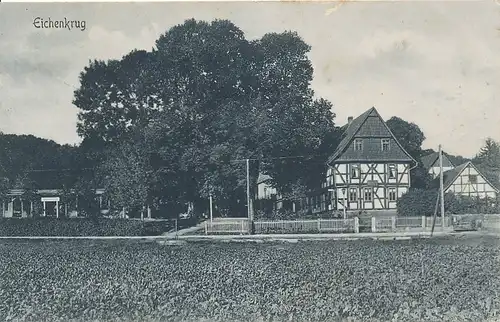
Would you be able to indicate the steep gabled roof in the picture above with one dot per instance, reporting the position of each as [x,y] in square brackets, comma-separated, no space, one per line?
[263,178]
[451,175]
[430,159]
[369,125]
[348,132]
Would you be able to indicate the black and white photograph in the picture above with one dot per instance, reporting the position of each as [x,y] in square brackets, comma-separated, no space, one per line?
[250,161]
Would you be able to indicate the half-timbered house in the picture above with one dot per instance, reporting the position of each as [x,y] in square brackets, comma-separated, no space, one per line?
[467,180]
[369,170]
[430,162]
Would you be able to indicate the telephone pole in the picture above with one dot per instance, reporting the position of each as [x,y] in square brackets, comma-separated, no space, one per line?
[211,212]
[441,188]
[248,191]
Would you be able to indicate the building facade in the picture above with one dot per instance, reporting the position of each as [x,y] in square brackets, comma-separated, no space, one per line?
[370,170]
[467,180]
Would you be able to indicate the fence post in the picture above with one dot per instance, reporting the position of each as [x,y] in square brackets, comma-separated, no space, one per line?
[356,224]
[393,222]
[423,221]
[319,225]
[374,224]
[242,227]
[206,228]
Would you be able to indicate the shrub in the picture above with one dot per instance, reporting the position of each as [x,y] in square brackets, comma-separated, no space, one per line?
[81,227]
[284,214]
[417,202]
[420,202]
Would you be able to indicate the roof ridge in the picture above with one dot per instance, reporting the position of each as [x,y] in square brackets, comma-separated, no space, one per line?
[355,126]
[457,172]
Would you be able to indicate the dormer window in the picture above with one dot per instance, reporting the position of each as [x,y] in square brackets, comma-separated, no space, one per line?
[358,145]
[385,145]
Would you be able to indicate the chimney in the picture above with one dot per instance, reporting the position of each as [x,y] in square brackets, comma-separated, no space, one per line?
[349,120]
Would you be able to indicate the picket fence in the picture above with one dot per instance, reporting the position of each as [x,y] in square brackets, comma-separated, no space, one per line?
[308,226]
[394,224]
[378,224]
[241,226]
[227,226]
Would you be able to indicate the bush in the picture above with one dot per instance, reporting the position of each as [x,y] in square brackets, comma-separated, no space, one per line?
[417,202]
[82,227]
[420,202]
[284,214]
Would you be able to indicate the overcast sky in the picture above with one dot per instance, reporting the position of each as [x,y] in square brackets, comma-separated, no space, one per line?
[435,64]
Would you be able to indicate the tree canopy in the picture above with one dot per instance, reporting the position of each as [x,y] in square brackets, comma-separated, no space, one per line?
[411,137]
[207,98]
[488,161]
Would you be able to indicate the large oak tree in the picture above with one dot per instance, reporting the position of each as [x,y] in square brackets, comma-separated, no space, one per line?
[207,97]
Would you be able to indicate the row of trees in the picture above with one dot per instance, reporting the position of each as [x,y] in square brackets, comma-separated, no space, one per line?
[31,163]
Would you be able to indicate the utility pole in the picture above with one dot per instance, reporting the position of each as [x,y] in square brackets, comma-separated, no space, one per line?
[248,191]
[441,188]
[435,213]
[211,214]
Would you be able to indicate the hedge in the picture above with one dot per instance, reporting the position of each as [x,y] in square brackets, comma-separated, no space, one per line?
[304,214]
[82,227]
[419,202]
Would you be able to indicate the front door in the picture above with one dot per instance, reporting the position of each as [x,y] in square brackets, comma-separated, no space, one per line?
[50,208]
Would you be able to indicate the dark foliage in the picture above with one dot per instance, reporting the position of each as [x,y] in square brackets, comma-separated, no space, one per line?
[420,202]
[82,227]
[202,98]
[31,162]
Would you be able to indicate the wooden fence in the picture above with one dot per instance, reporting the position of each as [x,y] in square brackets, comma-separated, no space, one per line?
[394,224]
[241,226]
[238,226]
[307,226]
[378,224]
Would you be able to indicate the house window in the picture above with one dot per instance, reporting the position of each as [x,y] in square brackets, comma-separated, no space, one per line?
[358,145]
[392,194]
[368,194]
[392,171]
[385,144]
[330,181]
[355,171]
[353,194]
[473,178]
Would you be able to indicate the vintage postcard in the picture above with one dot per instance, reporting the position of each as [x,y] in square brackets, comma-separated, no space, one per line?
[250,161]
